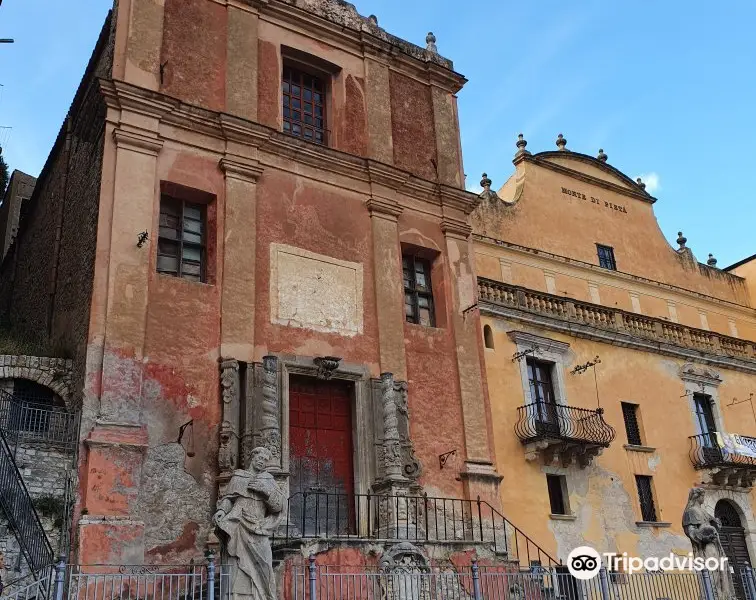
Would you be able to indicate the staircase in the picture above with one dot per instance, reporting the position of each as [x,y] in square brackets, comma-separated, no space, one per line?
[20,513]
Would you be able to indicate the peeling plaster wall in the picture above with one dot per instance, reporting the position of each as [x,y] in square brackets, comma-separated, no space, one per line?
[603,497]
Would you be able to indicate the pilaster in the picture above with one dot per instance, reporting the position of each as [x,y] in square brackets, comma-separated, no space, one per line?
[447,137]
[389,291]
[238,291]
[241,65]
[377,92]
[139,42]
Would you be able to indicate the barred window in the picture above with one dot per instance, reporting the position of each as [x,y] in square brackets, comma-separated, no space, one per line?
[181,241]
[304,106]
[632,427]
[646,497]
[606,257]
[418,295]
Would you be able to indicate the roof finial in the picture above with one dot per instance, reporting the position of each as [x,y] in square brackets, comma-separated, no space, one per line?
[373,20]
[602,155]
[485,183]
[521,145]
[712,262]
[681,239]
[430,39]
[561,142]
[640,183]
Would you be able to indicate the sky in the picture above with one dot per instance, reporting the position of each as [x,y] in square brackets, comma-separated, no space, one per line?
[667,89]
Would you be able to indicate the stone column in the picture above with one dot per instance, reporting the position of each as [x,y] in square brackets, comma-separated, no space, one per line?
[118,437]
[269,435]
[228,449]
[241,65]
[389,290]
[479,474]
[240,226]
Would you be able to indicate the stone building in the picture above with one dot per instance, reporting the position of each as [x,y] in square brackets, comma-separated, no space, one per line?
[19,189]
[253,231]
[617,366]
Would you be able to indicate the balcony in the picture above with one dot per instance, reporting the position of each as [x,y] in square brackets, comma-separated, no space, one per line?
[615,326]
[723,466]
[562,435]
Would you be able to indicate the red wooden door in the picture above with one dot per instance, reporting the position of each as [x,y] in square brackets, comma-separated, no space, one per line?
[320,456]
[320,429]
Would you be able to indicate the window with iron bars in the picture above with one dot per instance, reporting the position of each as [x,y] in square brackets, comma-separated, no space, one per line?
[606,257]
[632,427]
[418,296]
[304,106]
[181,239]
[646,497]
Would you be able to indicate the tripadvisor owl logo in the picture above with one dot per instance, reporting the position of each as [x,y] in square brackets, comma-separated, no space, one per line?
[584,562]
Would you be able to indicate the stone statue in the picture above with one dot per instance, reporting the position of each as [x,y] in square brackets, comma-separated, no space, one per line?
[248,513]
[702,528]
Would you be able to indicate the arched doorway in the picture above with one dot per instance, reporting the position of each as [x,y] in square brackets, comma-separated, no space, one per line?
[733,539]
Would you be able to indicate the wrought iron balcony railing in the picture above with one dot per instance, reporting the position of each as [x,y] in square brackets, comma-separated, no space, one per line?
[706,452]
[548,421]
[407,518]
[34,423]
[604,317]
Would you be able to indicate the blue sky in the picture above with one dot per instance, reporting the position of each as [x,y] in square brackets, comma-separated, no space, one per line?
[667,89]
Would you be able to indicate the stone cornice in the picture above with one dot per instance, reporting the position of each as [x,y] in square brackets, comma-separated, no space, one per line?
[565,319]
[602,274]
[384,208]
[530,339]
[258,139]
[541,159]
[241,169]
[137,142]
[455,228]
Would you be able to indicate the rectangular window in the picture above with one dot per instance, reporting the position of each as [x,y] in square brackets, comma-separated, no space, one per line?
[544,406]
[304,105]
[632,427]
[646,497]
[606,257]
[418,296]
[557,485]
[181,241]
[704,414]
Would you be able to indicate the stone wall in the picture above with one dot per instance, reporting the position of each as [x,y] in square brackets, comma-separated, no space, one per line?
[45,472]
[46,277]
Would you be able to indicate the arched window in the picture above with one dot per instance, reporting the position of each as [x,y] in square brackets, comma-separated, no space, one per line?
[488,337]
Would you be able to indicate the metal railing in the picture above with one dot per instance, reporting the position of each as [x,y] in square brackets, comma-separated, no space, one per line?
[31,587]
[19,511]
[126,582]
[409,518]
[705,452]
[28,422]
[542,420]
[604,317]
[312,581]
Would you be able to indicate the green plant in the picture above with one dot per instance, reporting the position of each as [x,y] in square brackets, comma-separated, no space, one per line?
[51,507]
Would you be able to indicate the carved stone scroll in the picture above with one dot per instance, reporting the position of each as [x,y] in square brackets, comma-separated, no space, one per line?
[269,426]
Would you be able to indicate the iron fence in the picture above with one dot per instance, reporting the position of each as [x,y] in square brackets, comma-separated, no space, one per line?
[411,518]
[313,582]
[29,422]
[143,582]
[541,420]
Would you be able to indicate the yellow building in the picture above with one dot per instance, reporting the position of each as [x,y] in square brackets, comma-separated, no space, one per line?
[616,364]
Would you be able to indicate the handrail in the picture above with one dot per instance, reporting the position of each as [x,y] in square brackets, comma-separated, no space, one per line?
[19,510]
[542,420]
[37,423]
[614,319]
[423,518]
[706,452]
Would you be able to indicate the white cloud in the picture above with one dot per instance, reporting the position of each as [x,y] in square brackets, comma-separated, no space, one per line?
[653,184]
